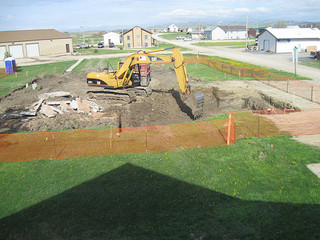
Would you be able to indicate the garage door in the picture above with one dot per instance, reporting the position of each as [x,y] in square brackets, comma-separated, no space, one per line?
[16,51]
[2,51]
[32,50]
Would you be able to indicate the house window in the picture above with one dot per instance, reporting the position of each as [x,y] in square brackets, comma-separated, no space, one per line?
[146,37]
[146,45]
[138,44]
[138,36]
[128,38]
[128,45]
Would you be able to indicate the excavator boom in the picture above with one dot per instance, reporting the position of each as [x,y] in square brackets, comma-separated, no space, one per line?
[122,78]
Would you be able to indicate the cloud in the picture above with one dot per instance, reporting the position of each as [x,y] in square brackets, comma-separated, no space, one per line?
[182,13]
[242,10]
[262,9]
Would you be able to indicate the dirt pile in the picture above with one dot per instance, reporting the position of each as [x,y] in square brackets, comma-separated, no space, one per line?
[164,106]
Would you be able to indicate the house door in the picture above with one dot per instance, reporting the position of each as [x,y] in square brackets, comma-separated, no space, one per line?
[67,48]
[266,46]
[109,40]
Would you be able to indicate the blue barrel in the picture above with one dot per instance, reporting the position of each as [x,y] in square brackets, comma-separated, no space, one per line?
[10,65]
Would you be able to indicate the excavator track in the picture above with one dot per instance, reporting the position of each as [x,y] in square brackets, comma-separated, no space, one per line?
[113,95]
[141,91]
[128,95]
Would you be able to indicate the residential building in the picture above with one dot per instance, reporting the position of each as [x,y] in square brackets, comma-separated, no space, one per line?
[229,32]
[111,37]
[137,37]
[173,28]
[33,43]
[281,40]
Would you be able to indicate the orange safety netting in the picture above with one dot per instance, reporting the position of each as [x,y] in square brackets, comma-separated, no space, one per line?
[296,87]
[3,73]
[253,72]
[86,143]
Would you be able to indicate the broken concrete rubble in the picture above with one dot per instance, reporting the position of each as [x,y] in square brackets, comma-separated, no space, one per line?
[47,111]
[54,94]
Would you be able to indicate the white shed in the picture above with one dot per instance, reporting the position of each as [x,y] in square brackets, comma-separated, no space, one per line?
[282,40]
[226,32]
[173,28]
[111,37]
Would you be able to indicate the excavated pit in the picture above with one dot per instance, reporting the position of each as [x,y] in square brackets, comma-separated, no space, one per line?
[163,107]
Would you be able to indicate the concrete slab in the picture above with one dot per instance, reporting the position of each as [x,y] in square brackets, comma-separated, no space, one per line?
[315,168]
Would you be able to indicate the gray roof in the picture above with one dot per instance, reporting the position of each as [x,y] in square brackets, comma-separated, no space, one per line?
[294,33]
[31,35]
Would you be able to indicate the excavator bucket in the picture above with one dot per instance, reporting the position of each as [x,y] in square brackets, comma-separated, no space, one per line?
[199,102]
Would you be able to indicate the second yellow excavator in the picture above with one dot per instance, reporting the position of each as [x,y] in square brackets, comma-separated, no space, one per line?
[131,79]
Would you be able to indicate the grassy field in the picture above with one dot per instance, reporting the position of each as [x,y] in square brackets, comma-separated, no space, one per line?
[314,64]
[173,36]
[207,74]
[88,65]
[226,44]
[245,191]
[88,39]
[99,51]
[26,74]
[245,65]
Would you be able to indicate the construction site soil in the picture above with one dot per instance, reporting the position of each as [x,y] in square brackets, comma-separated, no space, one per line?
[163,107]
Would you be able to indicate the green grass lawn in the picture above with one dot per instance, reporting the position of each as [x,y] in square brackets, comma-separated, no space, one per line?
[207,74]
[88,39]
[245,191]
[88,65]
[99,51]
[246,65]
[173,36]
[314,64]
[26,74]
[231,44]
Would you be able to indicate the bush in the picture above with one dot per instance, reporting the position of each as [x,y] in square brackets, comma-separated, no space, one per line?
[6,55]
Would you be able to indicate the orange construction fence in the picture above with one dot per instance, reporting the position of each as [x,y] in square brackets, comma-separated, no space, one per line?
[88,143]
[296,87]
[3,72]
[253,72]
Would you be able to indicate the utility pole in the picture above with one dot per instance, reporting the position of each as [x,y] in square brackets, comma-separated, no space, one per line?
[247,32]
[82,33]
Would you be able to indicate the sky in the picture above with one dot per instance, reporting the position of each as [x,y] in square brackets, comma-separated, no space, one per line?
[69,15]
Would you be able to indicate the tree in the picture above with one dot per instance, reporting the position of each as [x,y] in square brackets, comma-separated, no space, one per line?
[7,55]
[280,24]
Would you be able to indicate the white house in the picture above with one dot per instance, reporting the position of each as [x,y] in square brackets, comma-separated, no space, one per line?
[281,40]
[111,37]
[173,28]
[226,32]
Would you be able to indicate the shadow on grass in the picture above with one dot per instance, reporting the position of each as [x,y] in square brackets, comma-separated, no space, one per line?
[134,203]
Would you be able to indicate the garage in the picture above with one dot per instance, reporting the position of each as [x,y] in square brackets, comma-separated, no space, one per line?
[32,50]
[34,43]
[282,40]
[16,51]
[2,51]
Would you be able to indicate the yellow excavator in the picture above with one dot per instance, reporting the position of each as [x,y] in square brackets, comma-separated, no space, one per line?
[132,79]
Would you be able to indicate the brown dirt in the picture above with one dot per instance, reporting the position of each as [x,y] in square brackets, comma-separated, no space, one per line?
[163,107]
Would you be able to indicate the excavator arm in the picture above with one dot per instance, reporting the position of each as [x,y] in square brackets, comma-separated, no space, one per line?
[121,78]
[148,57]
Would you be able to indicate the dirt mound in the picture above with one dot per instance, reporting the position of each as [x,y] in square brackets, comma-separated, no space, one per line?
[164,106]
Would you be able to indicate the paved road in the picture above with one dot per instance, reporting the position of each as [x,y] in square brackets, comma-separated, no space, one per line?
[277,61]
